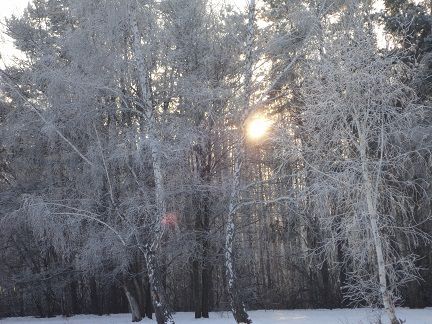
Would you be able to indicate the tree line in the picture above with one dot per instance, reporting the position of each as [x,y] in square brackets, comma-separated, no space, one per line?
[132,177]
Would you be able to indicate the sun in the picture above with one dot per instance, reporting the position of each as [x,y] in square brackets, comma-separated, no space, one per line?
[257,127]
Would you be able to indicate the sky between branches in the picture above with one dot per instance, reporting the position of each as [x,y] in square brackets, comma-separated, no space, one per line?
[16,7]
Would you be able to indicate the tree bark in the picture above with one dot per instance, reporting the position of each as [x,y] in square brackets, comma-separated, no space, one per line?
[237,304]
[95,305]
[206,271]
[133,305]
[162,312]
[371,201]
[148,300]
[197,288]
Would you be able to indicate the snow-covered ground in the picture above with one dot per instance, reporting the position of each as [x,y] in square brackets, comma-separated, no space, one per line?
[318,316]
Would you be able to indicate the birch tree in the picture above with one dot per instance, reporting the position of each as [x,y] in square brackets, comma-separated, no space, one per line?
[358,115]
[237,305]
[163,314]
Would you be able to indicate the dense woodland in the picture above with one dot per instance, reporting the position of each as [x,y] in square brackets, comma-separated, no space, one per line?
[190,155]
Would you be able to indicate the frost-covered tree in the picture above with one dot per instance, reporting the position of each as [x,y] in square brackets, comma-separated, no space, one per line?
[358,119]
[124,116]
[127,181]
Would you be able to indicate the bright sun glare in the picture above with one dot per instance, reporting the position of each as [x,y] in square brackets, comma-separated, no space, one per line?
[257,127]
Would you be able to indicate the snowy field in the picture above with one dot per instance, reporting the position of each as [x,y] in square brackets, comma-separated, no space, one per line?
[320,316]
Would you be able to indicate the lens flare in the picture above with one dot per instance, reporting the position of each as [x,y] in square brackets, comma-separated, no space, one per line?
[257,127]
[170,219]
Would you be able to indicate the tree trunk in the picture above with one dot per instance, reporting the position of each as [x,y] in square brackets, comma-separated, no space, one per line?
[162,312]
[148,299]
[200,266]
[237,305]
[206,278]
[74,297]
[197,288]
[201,271]
[140,295]
[371,201]
[95,306]
[133,305]
[205,273]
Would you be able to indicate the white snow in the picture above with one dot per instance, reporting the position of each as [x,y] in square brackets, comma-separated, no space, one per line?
[317,316]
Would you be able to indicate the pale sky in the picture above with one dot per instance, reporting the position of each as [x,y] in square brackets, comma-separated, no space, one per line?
[16,7]
[8,8]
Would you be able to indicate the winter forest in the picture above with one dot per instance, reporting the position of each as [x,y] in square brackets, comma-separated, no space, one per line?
[162,156]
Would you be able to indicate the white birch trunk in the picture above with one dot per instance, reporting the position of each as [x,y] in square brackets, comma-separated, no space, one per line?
[163,314]
[371,201]
[237,305]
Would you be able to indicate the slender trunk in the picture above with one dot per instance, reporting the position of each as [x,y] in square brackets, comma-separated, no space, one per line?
[206,277]
[371,201]
[237,305]
[69,299]
[197,264]
[200,266]
[95,306]
[133,305]
[206,271]
[327,300]
[163,314]
[140,295]
[196,284]
[38,305]
[74,297]
[385,293]
[342,271]
[148,300]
